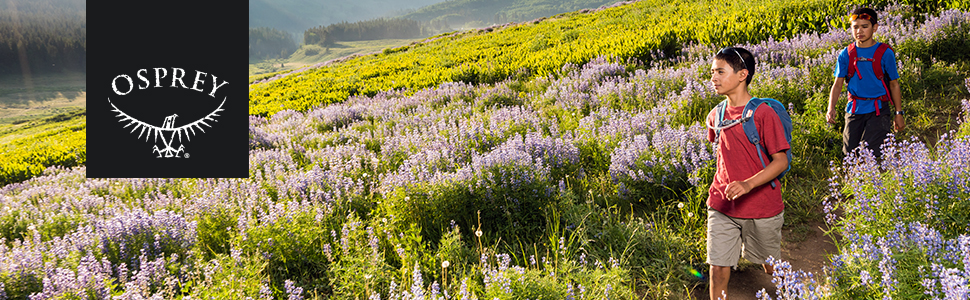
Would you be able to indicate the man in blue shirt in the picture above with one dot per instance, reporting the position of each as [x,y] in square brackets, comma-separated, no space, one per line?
[874,107]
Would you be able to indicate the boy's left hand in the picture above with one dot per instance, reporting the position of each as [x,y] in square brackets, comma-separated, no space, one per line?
[736,189]
[899,122]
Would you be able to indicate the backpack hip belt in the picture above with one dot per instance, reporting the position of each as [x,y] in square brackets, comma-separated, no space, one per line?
[883,98]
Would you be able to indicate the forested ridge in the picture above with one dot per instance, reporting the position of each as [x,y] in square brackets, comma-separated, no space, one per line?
[487,12]
[42,35]
[376,29]
[265,42]
[295,16]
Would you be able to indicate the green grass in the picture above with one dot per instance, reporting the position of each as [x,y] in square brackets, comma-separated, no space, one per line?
[23,99]
[26,149]
[309,55]
[64,117]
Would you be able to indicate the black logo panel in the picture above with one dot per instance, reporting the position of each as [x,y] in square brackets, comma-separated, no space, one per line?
[167,91]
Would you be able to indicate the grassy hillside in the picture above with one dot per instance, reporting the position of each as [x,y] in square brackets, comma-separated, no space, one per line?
[309,55]
[458,14]
[40,95]
[27,148]
[41,123]
[643,30]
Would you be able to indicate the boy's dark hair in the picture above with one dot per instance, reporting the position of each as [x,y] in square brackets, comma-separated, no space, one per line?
[865,13]
[738,58]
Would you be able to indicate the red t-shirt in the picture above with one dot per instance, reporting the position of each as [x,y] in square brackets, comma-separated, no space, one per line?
[737,160]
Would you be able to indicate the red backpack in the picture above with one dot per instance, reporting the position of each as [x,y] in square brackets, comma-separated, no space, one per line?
[876,68]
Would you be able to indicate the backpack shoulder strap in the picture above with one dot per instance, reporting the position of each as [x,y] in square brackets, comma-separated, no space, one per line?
[877,60]
[718,118]
[877,68]
[853,62]
[750,129]
[720,111]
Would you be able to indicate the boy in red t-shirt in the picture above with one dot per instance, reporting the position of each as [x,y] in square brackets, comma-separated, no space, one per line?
[743,209]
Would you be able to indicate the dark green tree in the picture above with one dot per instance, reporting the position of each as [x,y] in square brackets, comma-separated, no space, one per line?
[269,43]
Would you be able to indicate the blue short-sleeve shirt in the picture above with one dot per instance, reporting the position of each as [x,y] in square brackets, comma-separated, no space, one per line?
[869,86]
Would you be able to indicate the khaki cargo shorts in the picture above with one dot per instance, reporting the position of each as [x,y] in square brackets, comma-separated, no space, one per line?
[728,237]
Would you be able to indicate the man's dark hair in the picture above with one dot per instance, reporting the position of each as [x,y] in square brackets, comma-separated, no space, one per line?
[873,18]
[738,59]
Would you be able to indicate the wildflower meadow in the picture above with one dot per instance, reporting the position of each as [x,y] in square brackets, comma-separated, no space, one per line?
[586,183]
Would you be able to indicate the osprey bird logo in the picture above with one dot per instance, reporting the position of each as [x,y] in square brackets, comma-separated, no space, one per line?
[167,128]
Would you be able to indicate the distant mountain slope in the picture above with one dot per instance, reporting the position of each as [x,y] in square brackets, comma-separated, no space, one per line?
[297,15]
[262,14]
[480,13]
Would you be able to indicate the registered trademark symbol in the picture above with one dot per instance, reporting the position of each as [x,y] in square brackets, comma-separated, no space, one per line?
[186,155]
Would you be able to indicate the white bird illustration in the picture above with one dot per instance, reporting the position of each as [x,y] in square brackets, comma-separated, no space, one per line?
[168,125]
[169,122]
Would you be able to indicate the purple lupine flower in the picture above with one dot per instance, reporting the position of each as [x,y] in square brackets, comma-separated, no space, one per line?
[668,154]
[293,292]
[887,266]
[337,115]
[435,290]
[954,285]
[793,284]
[463,290]
[562,245]
[929,285]
[259,138]
[265,292]
[865,278]
[372,241]
[136,230]
[965,103]
[503,260]
[964,242]
[345,231]
[392,291]
[328,251]
[417,283]
[614,263]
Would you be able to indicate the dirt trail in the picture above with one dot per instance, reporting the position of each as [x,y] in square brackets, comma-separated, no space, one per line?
[809,254]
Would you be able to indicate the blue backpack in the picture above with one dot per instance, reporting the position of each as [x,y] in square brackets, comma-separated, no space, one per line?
[747,122]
